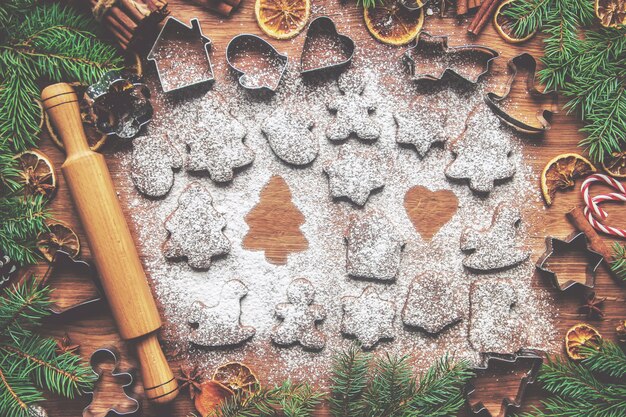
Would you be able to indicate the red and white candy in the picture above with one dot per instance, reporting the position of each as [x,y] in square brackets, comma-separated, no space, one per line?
[594,213]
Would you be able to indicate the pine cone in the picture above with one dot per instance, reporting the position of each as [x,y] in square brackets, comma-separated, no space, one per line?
[621,331]
[8,268]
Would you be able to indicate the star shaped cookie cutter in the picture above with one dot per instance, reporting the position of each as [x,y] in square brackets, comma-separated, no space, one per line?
[573,241]
[489,359]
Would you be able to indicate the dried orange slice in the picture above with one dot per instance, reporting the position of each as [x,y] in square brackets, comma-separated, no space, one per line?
[58,237]
[237,377]
[612,13]
[578,336]
[212,393]
[615,165]
[561,173]
[392,23]
[36,174]
[282,19]
[504,25]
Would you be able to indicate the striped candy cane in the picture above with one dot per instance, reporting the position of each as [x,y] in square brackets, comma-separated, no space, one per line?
[593,212]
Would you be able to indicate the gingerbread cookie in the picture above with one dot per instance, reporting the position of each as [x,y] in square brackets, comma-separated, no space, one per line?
[152,163]
[220,324]
[482,154]
[432,304]
[354,174]
[374,247]
[290,137]
[368,317]
[420,129]
[217,146]
[494,321]
[195,229]
[352,110]
[300,317]
[497,247]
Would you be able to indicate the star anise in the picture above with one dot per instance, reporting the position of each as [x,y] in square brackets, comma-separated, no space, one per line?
[190,377]
[65,345]
[592,306]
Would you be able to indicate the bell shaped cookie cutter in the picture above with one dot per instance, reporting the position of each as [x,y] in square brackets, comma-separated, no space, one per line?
[438,46]
[325,26]
[527,62]
[175,29]
[575,240]
[239,45]
[490,360]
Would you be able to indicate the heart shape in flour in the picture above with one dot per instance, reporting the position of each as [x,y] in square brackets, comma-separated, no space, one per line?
[325,48]
[429,210]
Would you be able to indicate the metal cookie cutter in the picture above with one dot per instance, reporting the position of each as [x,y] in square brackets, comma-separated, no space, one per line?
[62,263]
[576,240]
[490,362]
[244,43]
[437,46]
[122,407]
[119,104]
[174,30]
[324,26]
[527,62]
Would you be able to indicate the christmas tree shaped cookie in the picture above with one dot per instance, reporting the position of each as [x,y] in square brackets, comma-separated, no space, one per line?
[374,247]
[497,247]
[368,317]
[482,153]
[217,146]
[220,325]
[275,223]
[300,317]
[290,137]
[195,229]
[152,163]
[352,110]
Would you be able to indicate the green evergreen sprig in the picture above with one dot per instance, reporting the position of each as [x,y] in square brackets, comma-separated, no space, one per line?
[29,362]
[618,264]
[584,62]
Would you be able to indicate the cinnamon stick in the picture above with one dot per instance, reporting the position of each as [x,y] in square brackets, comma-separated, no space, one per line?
[576,216]
[487,9]
[461,7]
[217,6]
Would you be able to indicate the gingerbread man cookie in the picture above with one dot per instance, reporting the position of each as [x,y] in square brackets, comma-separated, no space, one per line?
[290,137]
[152,163]
[195,229]
[300,317]
[368,317]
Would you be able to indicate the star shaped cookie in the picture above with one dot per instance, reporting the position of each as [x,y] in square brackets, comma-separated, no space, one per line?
[368,317]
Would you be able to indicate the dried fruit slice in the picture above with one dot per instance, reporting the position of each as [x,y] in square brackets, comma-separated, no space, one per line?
[237,377]
[37,174]
[58,237]
[561,173]
[393,24]
[504,25]
[212,393]
[578,336]
[612,13]
[615,165]
[282,19]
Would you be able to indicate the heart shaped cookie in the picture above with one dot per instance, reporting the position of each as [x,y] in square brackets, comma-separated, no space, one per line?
[429,210]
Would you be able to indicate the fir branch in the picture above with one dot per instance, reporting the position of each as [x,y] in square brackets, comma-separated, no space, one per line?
[609,359]
[527,16]
[22,219]
[349,380]
[23,306]
[367,4]
[298,400]
[391,388]
[16,392]
[618,264]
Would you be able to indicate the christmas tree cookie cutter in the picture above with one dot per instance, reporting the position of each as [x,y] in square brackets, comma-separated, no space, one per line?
[239,46]
[437,46]
[98,357]
[577,240]
[528,63]
[490,361]
[319,27]
[63,262]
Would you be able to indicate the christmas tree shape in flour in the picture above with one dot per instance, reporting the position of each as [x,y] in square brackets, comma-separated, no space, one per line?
[275,223]
[195,229]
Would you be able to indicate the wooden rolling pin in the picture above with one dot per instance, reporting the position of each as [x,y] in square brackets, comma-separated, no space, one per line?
[111,243]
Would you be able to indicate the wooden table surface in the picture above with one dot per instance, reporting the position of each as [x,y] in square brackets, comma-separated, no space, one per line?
[92,326]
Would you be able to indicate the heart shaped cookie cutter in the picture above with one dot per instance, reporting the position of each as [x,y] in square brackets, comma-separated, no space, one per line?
[324,26]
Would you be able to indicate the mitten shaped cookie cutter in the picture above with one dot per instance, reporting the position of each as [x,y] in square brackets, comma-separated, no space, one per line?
[527,62]
[100,356]
[574,241]
[174,28]
[62,260]
[490,361]
[438,45]
[324,25]
[238,45]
